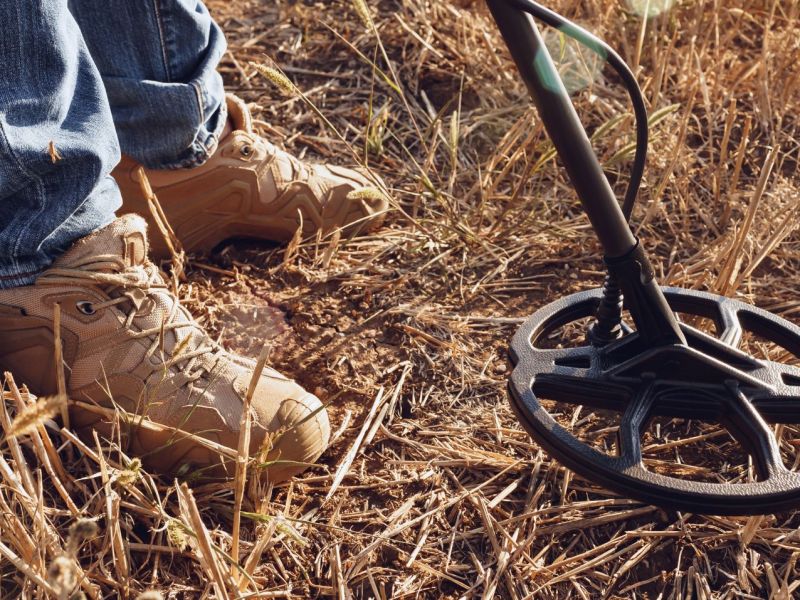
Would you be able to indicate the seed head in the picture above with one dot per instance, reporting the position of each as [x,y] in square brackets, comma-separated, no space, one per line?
[36,413]
[363,12]
[80,531]
[130,475]
[176,534]
[276,77]
[62,575]
[367,193]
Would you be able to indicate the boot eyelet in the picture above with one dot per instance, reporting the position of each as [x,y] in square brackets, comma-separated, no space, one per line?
[245,150]
[85,307]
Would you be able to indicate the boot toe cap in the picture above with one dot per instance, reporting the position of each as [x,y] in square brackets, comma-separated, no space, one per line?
[291,430]
[304,429]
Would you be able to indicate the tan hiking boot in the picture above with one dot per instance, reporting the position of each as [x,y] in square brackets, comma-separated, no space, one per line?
[128,342]
[250,188]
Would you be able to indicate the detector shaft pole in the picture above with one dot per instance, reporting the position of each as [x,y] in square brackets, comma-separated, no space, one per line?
[624,256]
[564,127]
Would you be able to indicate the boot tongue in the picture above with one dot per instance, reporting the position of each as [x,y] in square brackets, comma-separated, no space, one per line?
[238,114]
[126,238]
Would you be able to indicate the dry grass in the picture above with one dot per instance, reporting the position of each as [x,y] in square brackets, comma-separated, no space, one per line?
[430,488]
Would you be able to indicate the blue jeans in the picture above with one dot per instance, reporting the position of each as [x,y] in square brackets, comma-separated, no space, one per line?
[80,81]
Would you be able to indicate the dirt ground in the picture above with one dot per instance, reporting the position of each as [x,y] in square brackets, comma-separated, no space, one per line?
[431,488]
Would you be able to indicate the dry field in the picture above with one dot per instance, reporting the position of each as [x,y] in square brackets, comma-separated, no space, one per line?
[430,488]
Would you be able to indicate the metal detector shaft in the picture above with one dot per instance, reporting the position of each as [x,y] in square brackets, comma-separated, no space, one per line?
[624,255]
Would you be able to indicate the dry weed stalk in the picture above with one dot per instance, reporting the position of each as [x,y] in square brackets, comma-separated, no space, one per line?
[178,256]
[243,453]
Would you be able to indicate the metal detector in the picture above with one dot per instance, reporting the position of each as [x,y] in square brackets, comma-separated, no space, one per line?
[659,367]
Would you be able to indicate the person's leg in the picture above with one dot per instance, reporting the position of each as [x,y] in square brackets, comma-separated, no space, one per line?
[158,60]
[57,140]
[126,341]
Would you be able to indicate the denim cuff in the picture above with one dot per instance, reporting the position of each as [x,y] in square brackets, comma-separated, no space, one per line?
[17,275]
[208,135]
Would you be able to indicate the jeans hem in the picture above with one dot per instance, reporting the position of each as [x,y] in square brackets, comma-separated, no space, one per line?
[19,278]
[201,149]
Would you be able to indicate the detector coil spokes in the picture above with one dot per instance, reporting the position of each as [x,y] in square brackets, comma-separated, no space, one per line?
[710,378]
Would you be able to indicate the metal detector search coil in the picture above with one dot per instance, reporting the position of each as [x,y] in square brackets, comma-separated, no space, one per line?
[660,367]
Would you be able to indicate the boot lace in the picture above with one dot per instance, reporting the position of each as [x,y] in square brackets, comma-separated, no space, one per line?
[136,287]
[300,170]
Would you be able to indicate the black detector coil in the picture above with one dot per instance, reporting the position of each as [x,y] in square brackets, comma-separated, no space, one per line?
[656,366]
[709,378]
